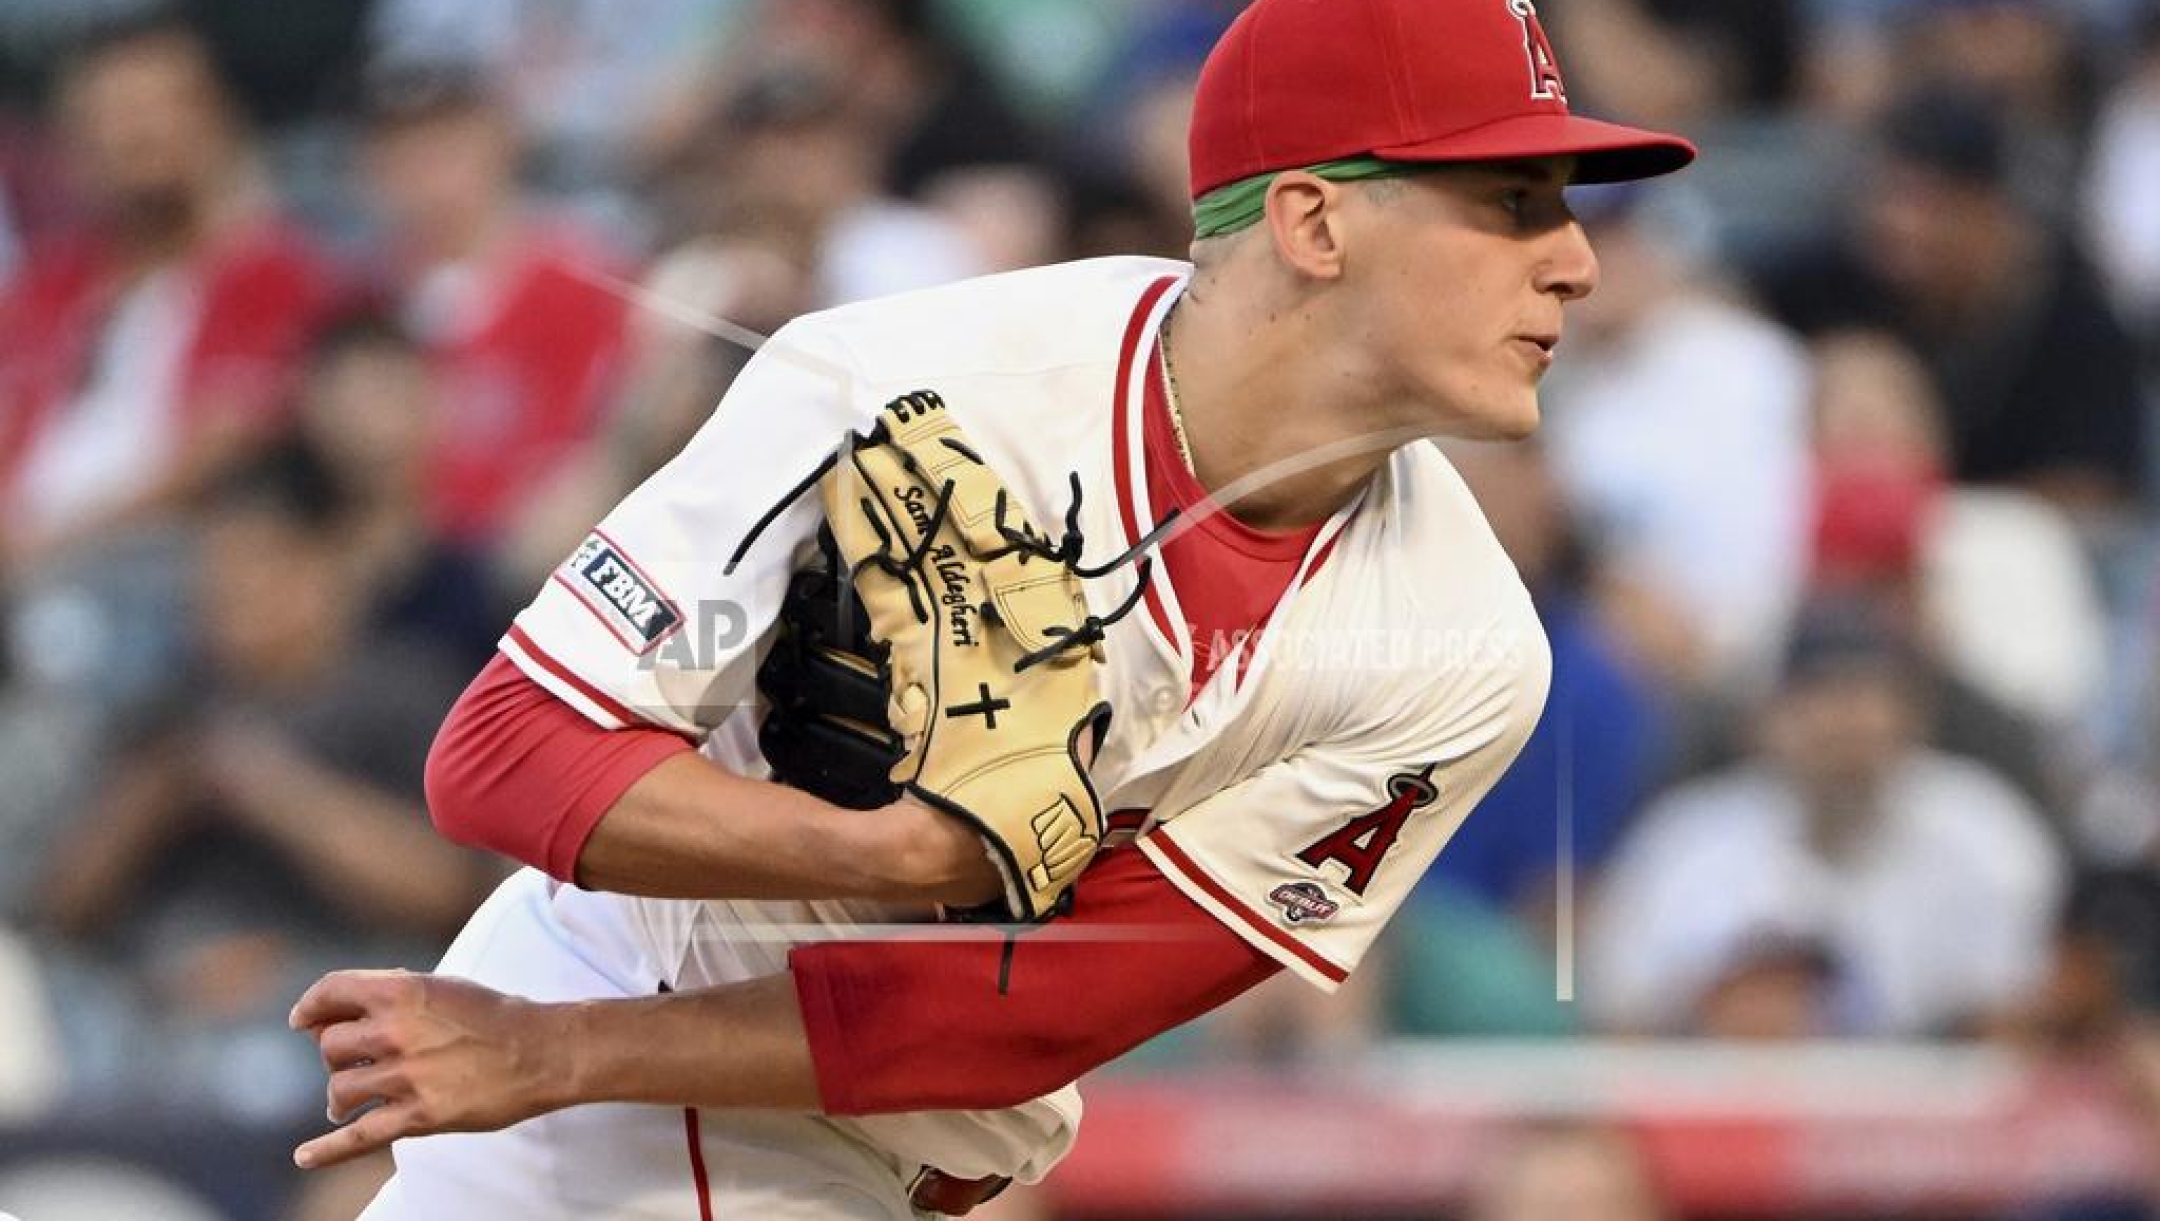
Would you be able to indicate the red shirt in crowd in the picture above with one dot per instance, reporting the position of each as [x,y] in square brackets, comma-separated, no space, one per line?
[528,352]
[258,294]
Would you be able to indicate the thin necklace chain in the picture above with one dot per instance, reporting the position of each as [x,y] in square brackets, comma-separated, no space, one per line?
[1170,395]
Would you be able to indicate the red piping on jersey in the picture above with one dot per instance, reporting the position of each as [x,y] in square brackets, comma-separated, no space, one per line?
[1175,857]
[697,1164]
[566,675]
[1121,421]
[1326,549]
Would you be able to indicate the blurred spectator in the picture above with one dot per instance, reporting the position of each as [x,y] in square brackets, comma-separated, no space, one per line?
[1568,1172]
[580,76]
[522,314]
[1141,201]
[369,409]
[1678,427]
[1127,168]
[2106,969]
[264,829]
[1285,1023]
[1595,751]
[288,68]
[1461,967]
[1680,65]
[2033,58]
[1881,466]
[2012,605]
[2025,57]
[938,126]
[99,1188]
[921,95]
[2092,1019]
[150,349]
[1047,53]
[1918,888]
[677,370]
[795,171]
[2119,213]
[1991,581]
[32,1071]
[2039,378]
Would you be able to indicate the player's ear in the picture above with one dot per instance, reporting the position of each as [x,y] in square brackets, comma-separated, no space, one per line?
[1304,217]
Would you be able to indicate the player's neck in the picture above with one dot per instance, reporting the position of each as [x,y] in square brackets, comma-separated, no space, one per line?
[1276,434]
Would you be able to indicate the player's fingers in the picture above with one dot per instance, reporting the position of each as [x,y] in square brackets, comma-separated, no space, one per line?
[372,1131]
[353,1088]
[344,1044]
[342,996]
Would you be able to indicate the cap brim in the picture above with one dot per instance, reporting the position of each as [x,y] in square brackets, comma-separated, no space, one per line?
[1604,152]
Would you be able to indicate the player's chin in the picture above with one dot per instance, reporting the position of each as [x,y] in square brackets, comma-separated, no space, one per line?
[1516,419]
[1519,427]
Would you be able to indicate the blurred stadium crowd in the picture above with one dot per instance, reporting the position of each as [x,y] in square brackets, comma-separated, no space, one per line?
[328,327]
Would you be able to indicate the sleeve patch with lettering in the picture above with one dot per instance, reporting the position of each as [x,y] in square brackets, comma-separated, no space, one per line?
[627,602]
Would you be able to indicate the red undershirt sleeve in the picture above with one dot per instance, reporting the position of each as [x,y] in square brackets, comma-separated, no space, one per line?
[979,1024]
[517,771]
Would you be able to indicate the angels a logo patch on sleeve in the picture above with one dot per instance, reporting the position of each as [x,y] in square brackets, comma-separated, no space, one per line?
[1359,845]
[627,602]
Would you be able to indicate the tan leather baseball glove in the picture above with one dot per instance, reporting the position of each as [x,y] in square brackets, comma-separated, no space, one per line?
[978,634]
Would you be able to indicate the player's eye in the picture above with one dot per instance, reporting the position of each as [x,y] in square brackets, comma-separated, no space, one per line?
[1532,210]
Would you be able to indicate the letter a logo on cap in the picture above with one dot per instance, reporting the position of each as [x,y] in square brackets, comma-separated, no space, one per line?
[1545,83]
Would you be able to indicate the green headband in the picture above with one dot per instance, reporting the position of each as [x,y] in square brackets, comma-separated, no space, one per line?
[1227,209]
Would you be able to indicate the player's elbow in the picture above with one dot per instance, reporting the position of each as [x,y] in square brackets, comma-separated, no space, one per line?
[466,766]
[454,799]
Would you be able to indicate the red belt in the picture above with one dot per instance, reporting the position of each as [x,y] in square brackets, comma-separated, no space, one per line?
[938,1192]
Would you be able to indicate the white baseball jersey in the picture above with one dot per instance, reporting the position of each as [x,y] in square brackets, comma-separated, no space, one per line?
[1297,798]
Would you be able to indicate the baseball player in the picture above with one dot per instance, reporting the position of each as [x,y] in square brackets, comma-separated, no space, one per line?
[1314,674]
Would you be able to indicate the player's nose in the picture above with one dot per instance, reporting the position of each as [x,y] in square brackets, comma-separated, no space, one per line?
[1570,268]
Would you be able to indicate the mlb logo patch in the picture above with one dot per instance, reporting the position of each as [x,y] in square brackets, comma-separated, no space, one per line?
[1302,901]
[629,603]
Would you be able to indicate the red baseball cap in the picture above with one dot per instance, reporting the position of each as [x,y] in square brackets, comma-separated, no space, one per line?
[1301,82]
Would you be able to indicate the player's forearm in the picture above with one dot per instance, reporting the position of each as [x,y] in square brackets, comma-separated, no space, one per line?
[741,1045]
[635,811]
[692,829]
[414,1055]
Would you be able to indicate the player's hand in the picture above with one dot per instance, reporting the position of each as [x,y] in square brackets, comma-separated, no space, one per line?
[946,858]
[414,1055]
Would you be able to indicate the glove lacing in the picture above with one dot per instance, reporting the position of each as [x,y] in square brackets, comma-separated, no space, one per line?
[907,567]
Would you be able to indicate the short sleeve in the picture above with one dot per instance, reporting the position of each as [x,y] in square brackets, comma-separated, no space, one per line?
[1309,857]
[656,618]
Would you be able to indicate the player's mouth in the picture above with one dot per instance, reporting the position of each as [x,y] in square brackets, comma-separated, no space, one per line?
[1540,347]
